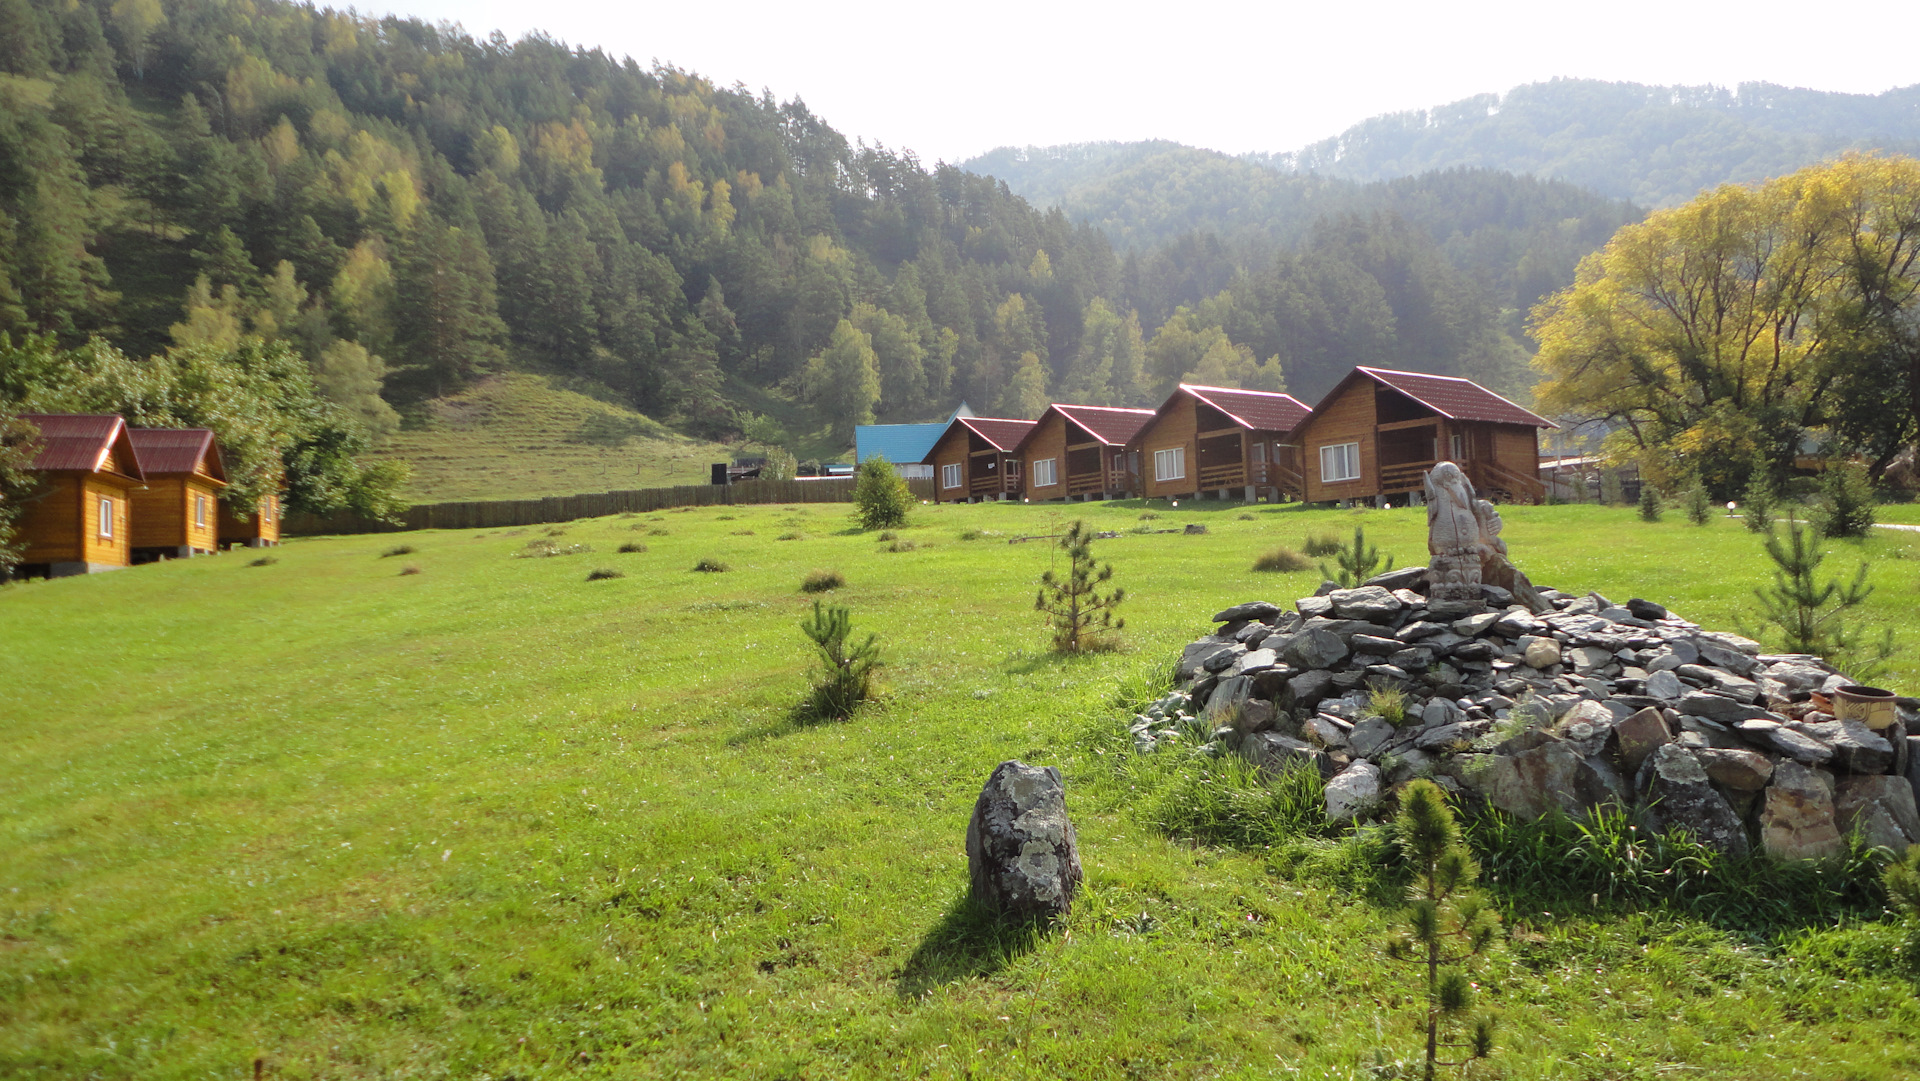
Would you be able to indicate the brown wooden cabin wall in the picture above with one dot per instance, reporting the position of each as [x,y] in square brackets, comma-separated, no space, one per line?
[1349,418]
[1049,440]
[951,450]
[1517,448]
[50,529]
[1173,426]
[117,549]
[160,514]
[263,524]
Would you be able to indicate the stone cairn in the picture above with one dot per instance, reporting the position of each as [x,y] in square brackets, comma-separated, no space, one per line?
[1539,700]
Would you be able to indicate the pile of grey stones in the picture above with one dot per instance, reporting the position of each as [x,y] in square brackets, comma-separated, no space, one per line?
[1576,704]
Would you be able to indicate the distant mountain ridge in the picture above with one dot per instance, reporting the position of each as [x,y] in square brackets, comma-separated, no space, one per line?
[1653,145]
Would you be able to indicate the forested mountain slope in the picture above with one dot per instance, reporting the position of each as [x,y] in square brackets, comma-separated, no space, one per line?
[413,209]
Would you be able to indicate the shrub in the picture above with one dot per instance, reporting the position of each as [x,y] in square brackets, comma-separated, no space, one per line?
[1847,503]
[398,550]
[1357,563]
[1246,517]
[822,580]
[1759,501]
[1320,545]
[969,534]
[1283,560]
[604,573]
[632,547]
[1649,502]
[888,535]
[411,568]
[711,566]
[1613,490]
[1073,603]
[902,546]
[1699,503]
[880,496]
[780,466]
[846,667]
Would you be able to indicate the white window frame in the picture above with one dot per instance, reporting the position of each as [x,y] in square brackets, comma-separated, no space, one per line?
[267,514]
[951,475]
[199,512]
[1346,456]
[1457,443]
[1046,472]
[1259,454]
[106,517]
[1170,463]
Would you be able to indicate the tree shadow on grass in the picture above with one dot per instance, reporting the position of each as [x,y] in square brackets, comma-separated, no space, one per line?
[970,940]
[810,712]
[1026,663]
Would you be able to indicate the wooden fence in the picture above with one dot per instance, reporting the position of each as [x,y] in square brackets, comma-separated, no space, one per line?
[493,513]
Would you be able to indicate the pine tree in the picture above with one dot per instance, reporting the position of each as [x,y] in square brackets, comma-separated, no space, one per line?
[447,319]
[1448,922]
[1758,503]
[846,666]
[1081,616]
[1847,503]
[1699,503]
[843,380]
[1357,562]
[1811,615]
[1649,502]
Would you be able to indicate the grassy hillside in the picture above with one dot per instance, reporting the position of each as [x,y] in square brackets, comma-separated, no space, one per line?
[517,436]
[491,819]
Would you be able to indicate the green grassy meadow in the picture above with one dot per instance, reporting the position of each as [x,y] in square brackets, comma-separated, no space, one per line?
[518,436]
[492,820]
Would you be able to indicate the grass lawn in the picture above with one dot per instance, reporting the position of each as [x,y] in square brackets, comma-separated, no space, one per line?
[494,820]
[516,436]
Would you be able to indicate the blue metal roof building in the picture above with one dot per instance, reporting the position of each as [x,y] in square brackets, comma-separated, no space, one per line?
[902,444]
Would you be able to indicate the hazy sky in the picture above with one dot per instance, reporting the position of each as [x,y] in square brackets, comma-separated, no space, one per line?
[953,80]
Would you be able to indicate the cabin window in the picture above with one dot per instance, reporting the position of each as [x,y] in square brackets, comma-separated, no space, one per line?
[1170,464]
[200,512]
[266,512]
[950,475]
[1458,446]
[1119,463]
[1259,454]
[106,517]
[1013,469]
[1339,462]
[1045,473]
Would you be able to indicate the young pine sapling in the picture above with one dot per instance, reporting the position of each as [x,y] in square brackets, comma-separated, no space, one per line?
[846,678]
[1357,563]
[1448,922]
[1810,615]
[1082,617]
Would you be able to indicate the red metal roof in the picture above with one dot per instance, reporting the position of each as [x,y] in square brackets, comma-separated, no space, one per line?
[999,431]
[1259,409]
[1456,398]
[79,442]
[1111,425]
[177,450]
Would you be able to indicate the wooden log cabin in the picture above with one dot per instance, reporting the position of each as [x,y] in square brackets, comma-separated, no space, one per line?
[79,522]
[1220,439]
[1378,432]
[262,527]
[1080,451]
[974,459]
[177,515]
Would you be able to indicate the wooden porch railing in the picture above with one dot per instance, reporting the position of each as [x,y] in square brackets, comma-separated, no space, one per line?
[1223,476]
[1491,476]
[1403,476]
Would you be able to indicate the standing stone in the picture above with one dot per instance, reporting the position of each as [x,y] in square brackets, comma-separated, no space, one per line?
[1356,788]
[1796,814]
[1453,539]
[1682,798]
[1022,853]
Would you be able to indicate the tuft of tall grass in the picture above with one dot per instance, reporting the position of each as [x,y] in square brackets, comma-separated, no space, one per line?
[411,568]
[1229,801]
[398,550]
[792,535]
[632,547]
[711,566]
[821,581]
[604,573]
[1282,560]
[1318,545]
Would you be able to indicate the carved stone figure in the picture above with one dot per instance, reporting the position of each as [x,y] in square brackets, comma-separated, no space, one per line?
[1463,540]
[1453,539]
